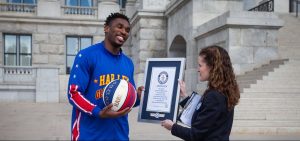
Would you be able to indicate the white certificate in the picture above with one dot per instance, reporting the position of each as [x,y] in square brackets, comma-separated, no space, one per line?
[161,88]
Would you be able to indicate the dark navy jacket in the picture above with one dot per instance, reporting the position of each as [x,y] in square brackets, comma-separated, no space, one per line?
[211,122]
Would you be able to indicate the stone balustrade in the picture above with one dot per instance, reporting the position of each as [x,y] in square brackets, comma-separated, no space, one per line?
[18,7]
[76,10]
[24,84]
[18,74]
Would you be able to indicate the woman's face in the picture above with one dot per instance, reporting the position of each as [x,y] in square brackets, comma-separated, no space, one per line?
[203,69]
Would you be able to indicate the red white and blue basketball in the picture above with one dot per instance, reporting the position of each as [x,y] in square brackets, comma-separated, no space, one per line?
[121,93]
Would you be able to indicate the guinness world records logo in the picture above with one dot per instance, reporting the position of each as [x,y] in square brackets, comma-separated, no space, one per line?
[163,77]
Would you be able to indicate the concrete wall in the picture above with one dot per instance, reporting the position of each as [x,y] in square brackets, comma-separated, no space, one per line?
[280,6]
[47,85]
[183,19]
[289,43]
[156,5]
[49,28]
[205,10]
[29,84]
[180,23]
[148,40]
[49,8]
[251,38]
[49,39]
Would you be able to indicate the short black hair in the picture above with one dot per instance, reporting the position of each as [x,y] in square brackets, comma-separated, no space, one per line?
[113,16]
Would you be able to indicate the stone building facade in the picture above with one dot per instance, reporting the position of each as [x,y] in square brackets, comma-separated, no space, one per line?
[160,28]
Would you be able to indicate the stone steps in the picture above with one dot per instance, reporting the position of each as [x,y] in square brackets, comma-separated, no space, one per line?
[272,94]
[280,75]
[247,81]
[268,115]
[275,85]
[251,77]
[261,89]
[267,123]
[276,81]
[257,74]
[272,104]
[267,131]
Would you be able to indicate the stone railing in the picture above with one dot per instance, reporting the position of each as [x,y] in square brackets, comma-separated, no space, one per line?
[42,81]
[17,7]
[76,10]
[267,6]
[18,74]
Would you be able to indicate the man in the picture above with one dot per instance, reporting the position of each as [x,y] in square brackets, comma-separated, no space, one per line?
[94,67]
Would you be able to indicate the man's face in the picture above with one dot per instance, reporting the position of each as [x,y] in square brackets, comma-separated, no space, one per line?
[117,32]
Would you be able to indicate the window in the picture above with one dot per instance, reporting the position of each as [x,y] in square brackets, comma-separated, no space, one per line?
[122,3]
[17,50]
[22,1]
[74,44]
[83,3]
[294,4]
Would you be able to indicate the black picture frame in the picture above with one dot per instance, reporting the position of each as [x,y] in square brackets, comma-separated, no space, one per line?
[177,66]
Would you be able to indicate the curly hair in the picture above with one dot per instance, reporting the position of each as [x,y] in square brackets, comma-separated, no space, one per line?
[221,75]
[113,16]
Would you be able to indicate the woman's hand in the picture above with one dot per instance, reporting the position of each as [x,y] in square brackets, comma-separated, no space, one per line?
[168,124]
[182,89]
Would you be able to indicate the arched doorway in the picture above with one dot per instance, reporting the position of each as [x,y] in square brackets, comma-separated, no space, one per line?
[178,47]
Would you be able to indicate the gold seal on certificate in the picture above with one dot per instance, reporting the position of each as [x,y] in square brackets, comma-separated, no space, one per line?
[161,95]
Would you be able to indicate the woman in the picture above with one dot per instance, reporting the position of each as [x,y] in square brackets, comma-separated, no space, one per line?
[213,120]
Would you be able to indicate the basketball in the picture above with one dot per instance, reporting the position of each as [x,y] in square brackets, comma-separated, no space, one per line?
[120,93]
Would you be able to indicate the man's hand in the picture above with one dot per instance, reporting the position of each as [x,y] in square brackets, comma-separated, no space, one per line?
[140,90]
[106,112]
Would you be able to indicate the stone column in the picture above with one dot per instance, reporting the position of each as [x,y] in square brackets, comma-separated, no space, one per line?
[281,6]
[191,73]
[49,8]
[105,7]
[47,85]
[148,40]
[1,74]
[130,8]
[1,50]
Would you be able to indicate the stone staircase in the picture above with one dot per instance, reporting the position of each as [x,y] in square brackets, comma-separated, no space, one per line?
[270,99]
[251,77]
[288,36]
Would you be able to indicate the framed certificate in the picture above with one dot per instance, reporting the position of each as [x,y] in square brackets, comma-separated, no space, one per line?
[161,96]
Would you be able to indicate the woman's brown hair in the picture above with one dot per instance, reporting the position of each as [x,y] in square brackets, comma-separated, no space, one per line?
[221,75]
